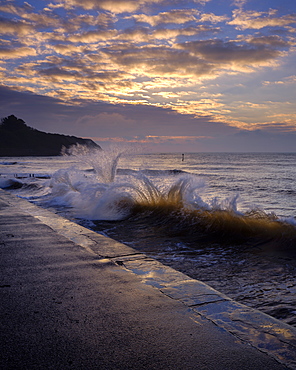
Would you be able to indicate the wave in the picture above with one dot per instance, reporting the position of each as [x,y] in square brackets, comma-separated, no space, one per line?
[174,217]
[170,202]
[174,206]
[8,163]
[254,229]
[163,172]
[10,183]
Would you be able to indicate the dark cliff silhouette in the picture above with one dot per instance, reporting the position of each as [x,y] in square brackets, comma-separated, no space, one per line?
[18,140]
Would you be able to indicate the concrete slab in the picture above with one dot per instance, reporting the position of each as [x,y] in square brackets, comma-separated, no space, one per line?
[73,299]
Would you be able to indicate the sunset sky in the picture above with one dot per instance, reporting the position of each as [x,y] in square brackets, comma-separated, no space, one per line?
[184,76]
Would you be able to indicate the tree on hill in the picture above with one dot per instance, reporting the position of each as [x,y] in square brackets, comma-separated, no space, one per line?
[17,139]
[12,123]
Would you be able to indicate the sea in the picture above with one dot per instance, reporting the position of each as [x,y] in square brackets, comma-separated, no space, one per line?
[227,219]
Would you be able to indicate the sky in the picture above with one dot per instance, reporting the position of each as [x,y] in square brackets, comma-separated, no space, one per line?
[169,76]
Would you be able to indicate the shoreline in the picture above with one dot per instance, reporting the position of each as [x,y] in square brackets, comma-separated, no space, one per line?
[251,326]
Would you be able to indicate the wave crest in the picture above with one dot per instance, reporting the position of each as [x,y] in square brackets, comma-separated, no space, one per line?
[174,206]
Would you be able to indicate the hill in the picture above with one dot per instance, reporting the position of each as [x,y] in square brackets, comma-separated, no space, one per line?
[18,140]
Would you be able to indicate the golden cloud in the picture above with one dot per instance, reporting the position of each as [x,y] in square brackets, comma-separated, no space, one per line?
[159,61]
[95,57]
[151,139]
[257,20]
[272,40]
[16,52]
[202,107]
[174,16]
[92,36]
[213,18]
[19,28]
[114,6]
[167,33]
[148,35]
[286,81]
[12,9]
[244,115]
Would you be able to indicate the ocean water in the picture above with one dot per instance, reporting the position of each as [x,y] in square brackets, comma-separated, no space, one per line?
[228,219]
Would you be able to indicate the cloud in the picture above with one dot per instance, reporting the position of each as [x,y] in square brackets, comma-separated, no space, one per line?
[239,3]
[99,119]
[286,81]
[19,28]
[28,18]
[42,20]
[159,57]
[273,40]
[187,31]
[250,115]
[92,36]
[166,35]
[199,108]
[119,6]
[101,21]
[163,139]
[67,50]
[225,52]
[60,74]
[159,61]
[13,9]
[115,6]
[12,53]
[140,124]
[213,18]
[178,16]
[256,20]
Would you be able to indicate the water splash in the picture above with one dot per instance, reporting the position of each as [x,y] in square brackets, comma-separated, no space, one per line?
[175,206]
[103,162]
[176,218]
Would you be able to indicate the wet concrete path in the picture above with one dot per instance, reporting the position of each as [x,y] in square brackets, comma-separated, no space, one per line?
[74,299]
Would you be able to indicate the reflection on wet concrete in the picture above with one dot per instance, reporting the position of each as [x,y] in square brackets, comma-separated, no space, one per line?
[269,335]
[260,276]
[260,330]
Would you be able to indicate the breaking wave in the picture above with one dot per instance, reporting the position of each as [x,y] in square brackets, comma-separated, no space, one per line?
[178,218]
[10,183]
[170,200]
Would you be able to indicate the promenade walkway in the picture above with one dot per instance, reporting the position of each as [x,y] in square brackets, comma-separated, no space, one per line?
[74,299]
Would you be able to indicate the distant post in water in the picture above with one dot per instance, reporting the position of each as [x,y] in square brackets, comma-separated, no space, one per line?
[182,157]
